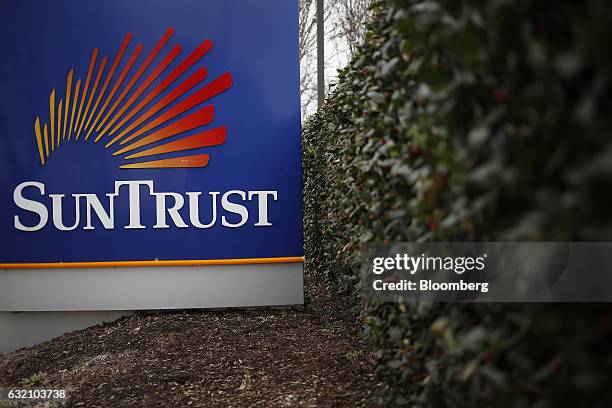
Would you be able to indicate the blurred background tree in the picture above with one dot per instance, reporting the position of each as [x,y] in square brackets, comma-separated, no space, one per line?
[345,28]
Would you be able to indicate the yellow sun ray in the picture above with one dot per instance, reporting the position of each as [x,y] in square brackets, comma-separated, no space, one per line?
[39,140]
[59,121]
[74,104]
[46,134]
[68,92]
[52,118]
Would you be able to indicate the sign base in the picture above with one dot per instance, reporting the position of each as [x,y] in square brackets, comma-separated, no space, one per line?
[25,329]
[136,288]
[90,296]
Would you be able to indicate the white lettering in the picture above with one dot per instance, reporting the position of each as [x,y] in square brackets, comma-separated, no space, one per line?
[161,210]
[263,205]
[134,192]
[93,202]
[30,205]
[56,199]
[232,212]
[234,209]
[194,207]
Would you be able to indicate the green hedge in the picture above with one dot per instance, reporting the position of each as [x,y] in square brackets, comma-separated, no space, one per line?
[471,120]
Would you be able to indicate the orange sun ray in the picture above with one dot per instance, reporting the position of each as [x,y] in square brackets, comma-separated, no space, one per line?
[207,138]
[92,65]
[109,77]
[68,92]
[200,160]
[162,42]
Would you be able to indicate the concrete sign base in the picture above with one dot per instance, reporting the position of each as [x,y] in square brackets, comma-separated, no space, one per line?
[100,290]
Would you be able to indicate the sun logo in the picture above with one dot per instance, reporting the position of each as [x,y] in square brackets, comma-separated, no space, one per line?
[137,118]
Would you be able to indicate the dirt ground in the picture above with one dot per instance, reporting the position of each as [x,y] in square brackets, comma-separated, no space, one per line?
[304,356]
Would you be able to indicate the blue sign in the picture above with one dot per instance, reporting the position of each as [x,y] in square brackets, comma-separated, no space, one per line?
[148,130]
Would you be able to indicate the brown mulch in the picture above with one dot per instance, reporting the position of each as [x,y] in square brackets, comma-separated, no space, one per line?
[303,356]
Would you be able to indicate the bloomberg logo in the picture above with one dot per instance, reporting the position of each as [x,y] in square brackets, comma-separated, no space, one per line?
[167,207]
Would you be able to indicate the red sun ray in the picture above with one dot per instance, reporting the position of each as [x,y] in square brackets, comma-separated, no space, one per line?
[156,72]
[194,57]
[176,93]
[197,119]
[208,91]
[109,77]
[162,42]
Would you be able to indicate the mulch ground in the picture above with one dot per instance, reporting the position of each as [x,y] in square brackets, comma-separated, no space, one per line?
[303,356]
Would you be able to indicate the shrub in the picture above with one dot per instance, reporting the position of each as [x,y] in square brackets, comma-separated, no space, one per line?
[470,120]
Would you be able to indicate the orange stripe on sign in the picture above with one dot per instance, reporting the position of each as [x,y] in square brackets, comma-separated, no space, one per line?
[119,264]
